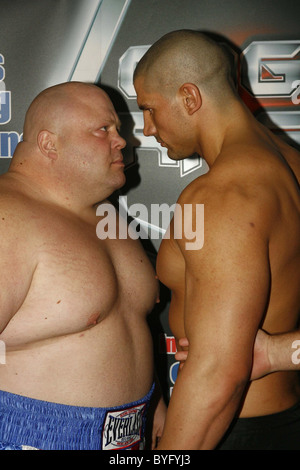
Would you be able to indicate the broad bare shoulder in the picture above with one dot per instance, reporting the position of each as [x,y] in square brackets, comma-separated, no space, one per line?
[227,196]
[249,207]
[244,183]
[19,214]
[15,209]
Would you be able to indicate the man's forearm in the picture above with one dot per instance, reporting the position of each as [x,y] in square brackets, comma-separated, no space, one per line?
[200,411]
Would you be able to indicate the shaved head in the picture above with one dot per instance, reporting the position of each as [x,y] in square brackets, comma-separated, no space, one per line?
[186,56]
[53,107]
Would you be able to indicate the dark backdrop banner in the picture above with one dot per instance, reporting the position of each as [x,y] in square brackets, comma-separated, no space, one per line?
[45,42]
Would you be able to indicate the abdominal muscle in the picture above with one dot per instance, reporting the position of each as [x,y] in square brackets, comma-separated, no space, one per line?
[108,364]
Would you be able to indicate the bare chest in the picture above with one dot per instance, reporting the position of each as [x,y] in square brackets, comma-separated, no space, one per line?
[79,281]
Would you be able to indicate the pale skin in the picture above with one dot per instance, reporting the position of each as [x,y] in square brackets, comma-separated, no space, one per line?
[74,327]
[247,272]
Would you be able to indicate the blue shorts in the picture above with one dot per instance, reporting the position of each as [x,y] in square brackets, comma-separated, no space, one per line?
[30,424]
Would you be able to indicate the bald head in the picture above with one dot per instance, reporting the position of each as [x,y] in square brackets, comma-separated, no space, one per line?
[53,107]
[186,56]
[71,147]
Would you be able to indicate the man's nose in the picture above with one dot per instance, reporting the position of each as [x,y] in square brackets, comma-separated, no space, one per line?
[119,142]
[122,143]
[149,127]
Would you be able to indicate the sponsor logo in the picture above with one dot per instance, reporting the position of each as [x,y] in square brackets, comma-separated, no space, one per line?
[8,140]
[167,345]
[123,429]
[270,71]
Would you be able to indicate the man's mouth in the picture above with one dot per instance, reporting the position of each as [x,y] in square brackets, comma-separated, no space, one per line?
[118,161]
[161,143]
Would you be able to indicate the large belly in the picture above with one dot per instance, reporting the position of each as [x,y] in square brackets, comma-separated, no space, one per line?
[106,365]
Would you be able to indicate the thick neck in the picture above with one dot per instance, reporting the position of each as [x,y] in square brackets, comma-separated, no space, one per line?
[40,179]
[220,126]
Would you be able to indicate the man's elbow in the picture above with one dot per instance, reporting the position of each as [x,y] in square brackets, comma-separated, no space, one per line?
[234,383]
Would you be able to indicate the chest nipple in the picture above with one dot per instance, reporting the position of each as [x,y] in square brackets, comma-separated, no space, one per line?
[93,319]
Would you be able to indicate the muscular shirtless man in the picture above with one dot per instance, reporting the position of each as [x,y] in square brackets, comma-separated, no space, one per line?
[247,272]
[78,372]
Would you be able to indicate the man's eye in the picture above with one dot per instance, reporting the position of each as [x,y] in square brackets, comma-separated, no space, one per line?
[104,128]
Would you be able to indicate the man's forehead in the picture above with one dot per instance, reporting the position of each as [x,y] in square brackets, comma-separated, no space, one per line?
[147,94]
[93,103]
[117,122]
[139,85]
[142,97]
[108,117]
[146,100]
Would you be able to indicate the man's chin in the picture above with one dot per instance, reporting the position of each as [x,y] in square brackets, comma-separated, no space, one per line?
[175,156]
[122,181]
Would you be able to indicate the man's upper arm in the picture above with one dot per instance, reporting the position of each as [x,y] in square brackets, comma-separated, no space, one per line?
[227,282]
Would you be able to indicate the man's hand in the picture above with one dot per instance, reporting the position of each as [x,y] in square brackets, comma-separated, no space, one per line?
[181,356]
[261,363]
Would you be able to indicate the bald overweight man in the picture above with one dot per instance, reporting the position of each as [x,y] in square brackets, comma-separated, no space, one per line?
[79,369]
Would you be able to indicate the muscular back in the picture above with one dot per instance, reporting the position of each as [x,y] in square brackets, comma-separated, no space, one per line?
[73,307]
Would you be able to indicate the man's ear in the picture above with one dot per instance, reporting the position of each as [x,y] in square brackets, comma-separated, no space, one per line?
[191,96]
[46,143]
